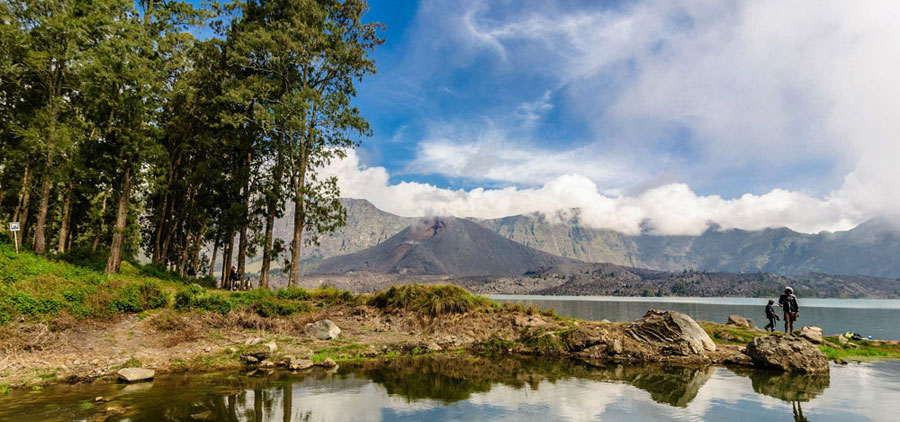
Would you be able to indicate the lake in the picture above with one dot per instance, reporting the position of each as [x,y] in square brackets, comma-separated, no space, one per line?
[879,318]
[482,389]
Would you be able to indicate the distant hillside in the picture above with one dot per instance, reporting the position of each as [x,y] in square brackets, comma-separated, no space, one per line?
[444,245]
[872,248]
[586,279]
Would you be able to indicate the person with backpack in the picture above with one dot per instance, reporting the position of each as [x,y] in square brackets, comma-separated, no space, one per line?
[233,278]
[788,302]
[771,315]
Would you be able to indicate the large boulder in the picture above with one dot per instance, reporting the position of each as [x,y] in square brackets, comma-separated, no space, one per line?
[136,374]
[740,321]
[674,330]
[811,333]
[323,330]
[787,353]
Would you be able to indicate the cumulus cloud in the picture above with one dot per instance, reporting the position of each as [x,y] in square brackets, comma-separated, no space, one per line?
[753,88]
[672,209]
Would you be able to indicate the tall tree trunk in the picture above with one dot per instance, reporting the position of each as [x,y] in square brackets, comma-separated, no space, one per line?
[40,231]
[242,245]
[212,260]
[21,214]
[272,200]
[195,254]
[118,238]
[101,224]
[227,252]
[299,182]
[167,208]
[267,249]
[64,224]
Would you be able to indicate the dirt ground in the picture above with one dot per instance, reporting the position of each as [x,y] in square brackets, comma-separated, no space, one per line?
[66,350]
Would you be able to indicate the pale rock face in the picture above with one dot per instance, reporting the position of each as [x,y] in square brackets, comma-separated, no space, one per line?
[787,353]
[136,374]
[322,330]
[672,328]
[740,321]
[812,333]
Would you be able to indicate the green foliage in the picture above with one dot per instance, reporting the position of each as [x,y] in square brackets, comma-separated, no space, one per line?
[431,300]
[292,293]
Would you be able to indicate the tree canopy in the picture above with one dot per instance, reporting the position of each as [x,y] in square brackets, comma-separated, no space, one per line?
[122,133]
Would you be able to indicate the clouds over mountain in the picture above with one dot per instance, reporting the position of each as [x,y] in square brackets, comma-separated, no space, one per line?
[777,113]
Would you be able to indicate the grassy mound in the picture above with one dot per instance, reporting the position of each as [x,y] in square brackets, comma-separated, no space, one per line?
[431,300]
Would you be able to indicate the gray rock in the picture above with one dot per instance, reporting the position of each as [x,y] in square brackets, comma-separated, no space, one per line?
[254,341]
[136,374]
[323,330]
[787,353]
[272,346]
[672,329]
[811,333]
[842,340]
[614,347]
[740,321]
[433,347]
[327,363]
[300,364]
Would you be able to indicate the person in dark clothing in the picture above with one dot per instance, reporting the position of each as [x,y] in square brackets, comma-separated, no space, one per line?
[191,273]
[771,315]
[788,302]
[233,278]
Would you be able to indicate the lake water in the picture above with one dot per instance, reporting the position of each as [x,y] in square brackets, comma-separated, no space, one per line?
[469,389]
[879,318]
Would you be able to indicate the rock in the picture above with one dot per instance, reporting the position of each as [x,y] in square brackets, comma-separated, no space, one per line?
[327,363]
[605,321]
[433,347]
[272,346]
[254,357]
[740,321]
[204,416]
[136,374]
[323,330]
[673,329]
[300,364]
[254,341]
[842,340]
[852,345]
[614,347]
[208,349]
[840,361]
[831,345]
[811,333]
[787,353]
[267,364]
[738,359]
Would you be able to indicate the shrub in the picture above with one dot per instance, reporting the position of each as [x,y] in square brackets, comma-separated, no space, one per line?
[430,300]
[292,293]
[333,296]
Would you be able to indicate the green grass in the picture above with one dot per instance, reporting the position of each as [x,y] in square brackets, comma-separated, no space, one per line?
[865,350]
[430,300]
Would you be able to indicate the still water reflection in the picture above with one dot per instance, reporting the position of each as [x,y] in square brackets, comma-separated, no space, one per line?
[469,389]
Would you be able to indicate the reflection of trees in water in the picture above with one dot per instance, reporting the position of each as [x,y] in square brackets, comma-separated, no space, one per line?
[276,397]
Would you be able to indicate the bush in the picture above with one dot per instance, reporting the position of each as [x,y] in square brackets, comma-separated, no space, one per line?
[195,297]
[430,300]
[292,293]
[84,257]
[271,307]
[331,295]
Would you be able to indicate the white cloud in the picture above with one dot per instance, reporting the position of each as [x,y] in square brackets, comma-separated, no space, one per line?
[760,87]
[666,209]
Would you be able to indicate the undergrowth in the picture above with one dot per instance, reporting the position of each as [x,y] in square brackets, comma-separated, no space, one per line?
[430,300]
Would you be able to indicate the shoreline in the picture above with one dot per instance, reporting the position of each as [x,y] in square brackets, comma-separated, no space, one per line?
[170,341]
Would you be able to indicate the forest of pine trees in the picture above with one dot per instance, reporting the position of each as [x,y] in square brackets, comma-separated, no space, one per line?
[178,131]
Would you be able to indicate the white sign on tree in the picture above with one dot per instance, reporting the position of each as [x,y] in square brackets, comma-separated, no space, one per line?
[14,226]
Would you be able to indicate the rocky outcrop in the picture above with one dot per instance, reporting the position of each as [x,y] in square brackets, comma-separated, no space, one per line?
[787,353]
[675,332]
[740,321]
[323,330]
[811,333]
[136,374]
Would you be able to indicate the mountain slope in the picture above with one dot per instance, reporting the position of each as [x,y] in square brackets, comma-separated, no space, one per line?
[870,249]
[444,245]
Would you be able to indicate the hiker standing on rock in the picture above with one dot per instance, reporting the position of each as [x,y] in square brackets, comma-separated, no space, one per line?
[788,302]
[771,315]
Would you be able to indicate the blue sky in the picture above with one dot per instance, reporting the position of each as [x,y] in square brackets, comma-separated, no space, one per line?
[671,115]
